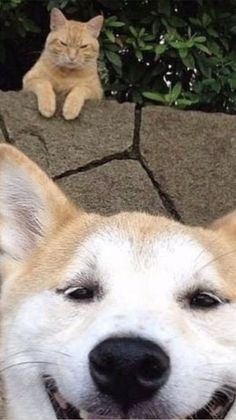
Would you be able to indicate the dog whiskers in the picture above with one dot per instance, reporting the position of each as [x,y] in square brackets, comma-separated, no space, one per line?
[30,363]
[37,351]
[216,259]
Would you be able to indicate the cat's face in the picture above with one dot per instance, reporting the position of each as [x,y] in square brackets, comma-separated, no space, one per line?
[72,44]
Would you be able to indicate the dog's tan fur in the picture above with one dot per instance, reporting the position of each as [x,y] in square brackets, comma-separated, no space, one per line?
[65,227]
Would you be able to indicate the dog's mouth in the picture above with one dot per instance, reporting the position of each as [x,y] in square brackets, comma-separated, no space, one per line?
[217,408]
[219,405]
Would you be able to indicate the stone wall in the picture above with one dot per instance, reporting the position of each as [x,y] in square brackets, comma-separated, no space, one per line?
[161,160]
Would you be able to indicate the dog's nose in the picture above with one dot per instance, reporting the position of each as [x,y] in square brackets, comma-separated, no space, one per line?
[129,369]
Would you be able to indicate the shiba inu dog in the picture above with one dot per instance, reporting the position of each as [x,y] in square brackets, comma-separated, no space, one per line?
[127,316]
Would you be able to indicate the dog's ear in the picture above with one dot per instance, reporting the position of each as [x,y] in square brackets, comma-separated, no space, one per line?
[31,205]
[226,225]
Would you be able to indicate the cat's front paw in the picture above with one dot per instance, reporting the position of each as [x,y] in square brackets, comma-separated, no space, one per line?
[71,110]
[47,109]
[70,114]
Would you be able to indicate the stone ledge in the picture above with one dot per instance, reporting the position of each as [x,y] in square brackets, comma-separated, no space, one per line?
[102,129]
[116,186]
[190,157]
[88,148]
[193,156]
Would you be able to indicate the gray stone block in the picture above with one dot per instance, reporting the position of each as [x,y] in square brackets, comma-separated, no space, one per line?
[193,156]
[113,187]
[102,129]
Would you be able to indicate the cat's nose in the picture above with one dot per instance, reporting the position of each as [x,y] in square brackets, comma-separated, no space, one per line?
[72,55]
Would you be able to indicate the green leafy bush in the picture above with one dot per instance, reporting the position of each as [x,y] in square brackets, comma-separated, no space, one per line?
[180,53]
[14,23]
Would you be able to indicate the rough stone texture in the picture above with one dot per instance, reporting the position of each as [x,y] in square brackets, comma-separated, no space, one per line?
[102,129]
[185,164]
[192,155]
[113,187]
[1,407]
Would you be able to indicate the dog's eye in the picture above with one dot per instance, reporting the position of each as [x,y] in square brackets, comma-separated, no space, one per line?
[204,300]
[80,293]
[84,46]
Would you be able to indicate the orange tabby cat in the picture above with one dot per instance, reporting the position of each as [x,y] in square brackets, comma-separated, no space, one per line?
[68,65]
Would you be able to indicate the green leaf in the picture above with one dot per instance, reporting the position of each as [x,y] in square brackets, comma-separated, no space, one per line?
[141,44]
[175,92]
[184,102]
[147,48]
[160,49]
[110,35]
[111,47]
[183,52]
[118,70]
[154,96]
[141,32]
[232,83]
[178,44]
[149,37]
[204,65]
[114,58]
[203,48]
[214,48]
[212,84]
[176,22]
[139,54]
[233,30]
[133,31]
[199,39]
[225,43]
[116,24]
[189,61]
[213,33]
[190,43]
[195,21]
[206,20]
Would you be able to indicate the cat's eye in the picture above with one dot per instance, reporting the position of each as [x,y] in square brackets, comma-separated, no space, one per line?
[205,300]
[63,43]
[84,46]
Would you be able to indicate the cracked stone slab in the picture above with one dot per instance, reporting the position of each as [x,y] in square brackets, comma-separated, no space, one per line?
[1,408]
[193,156]
[56,145]
[1,402]
[115,186]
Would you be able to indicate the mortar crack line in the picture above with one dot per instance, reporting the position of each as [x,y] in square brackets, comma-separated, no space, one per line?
[124,155]
[4,130]
[41,140]
[164,196]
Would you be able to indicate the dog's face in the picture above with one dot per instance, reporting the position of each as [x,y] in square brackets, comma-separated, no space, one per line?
[127,316]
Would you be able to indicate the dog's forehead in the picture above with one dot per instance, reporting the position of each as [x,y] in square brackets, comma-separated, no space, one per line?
[115,247]
[128,249]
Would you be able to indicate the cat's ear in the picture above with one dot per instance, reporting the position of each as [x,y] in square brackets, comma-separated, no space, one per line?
[94,25]
[57,19]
